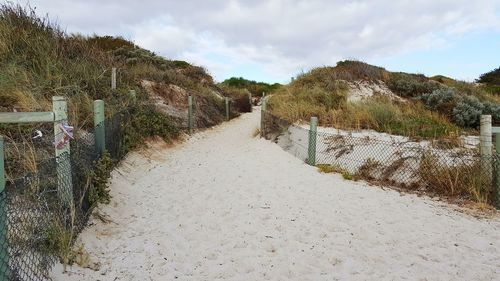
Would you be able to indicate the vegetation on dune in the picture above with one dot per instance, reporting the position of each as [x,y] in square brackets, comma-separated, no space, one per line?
[239,97]
[38,61]
[254,87]
[436,107]
[492,77]
[491,81]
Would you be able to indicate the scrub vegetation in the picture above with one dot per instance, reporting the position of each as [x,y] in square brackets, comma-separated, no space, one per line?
[427,108]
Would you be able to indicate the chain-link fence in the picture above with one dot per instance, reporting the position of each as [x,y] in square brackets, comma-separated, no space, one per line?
[47,200]
[39,221]
[449,168]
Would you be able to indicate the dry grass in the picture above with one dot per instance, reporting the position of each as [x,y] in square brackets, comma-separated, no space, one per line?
[464,179]
[328,168]
[365,171]
[256,132]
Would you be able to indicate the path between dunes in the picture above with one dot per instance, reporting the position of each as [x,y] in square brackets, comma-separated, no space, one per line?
[227,206]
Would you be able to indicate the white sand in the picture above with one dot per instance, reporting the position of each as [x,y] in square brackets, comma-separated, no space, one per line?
[226,206]
[351,149]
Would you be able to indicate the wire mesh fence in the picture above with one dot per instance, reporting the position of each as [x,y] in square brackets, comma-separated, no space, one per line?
[38,219]
[448,168]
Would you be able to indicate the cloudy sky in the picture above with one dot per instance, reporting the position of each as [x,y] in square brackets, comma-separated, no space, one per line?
[275,39]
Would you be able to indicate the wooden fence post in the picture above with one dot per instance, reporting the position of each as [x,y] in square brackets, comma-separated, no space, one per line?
[99,127]
[63,161]
[113,78]
[226,102]
[4,226]
[311,159]
[190,114]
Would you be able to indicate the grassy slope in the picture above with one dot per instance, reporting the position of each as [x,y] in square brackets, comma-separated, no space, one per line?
[38,61]
[322,93]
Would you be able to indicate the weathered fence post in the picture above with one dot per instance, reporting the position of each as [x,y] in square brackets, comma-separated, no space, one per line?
[190,114]
[497,171]
[262,116]
[250,101]
[113,78]
[99,127]
[485,148]
[496,160]
[311,159]
[63,161]
[485,135]
[133,96]
[4,242]
[226,103]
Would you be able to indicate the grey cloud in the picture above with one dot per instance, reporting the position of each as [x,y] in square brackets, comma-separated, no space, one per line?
[292,33]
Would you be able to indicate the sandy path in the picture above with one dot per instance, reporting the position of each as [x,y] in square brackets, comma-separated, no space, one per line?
[226,206]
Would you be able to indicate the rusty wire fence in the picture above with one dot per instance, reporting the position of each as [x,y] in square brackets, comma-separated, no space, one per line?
[451,169]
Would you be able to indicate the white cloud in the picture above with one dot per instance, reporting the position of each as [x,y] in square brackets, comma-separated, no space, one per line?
[281,36]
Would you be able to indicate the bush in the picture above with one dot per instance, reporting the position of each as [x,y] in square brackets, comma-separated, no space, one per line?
[240,98]
[411,85]
[145,122]
[492,77]
[254,87]
[467,112]
[442,100]
[463,110]
[99,177]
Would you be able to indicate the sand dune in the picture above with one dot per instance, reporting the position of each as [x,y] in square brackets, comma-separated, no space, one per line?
[227,206]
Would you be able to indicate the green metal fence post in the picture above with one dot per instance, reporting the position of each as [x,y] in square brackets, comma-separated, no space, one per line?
[226,102]
[250,101]
[63,162]
[190,114]
[99,128]
[497,170]
[262,116]
[133,96]
[311,159]
[113,78]
[4,242]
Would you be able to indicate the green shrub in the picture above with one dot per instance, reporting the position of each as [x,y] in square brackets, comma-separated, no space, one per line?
[468,111]
[254,87]
[492,77]
[145,122]
[240,98]
[99,175]
[411,85]
[443,100]
[463,110]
